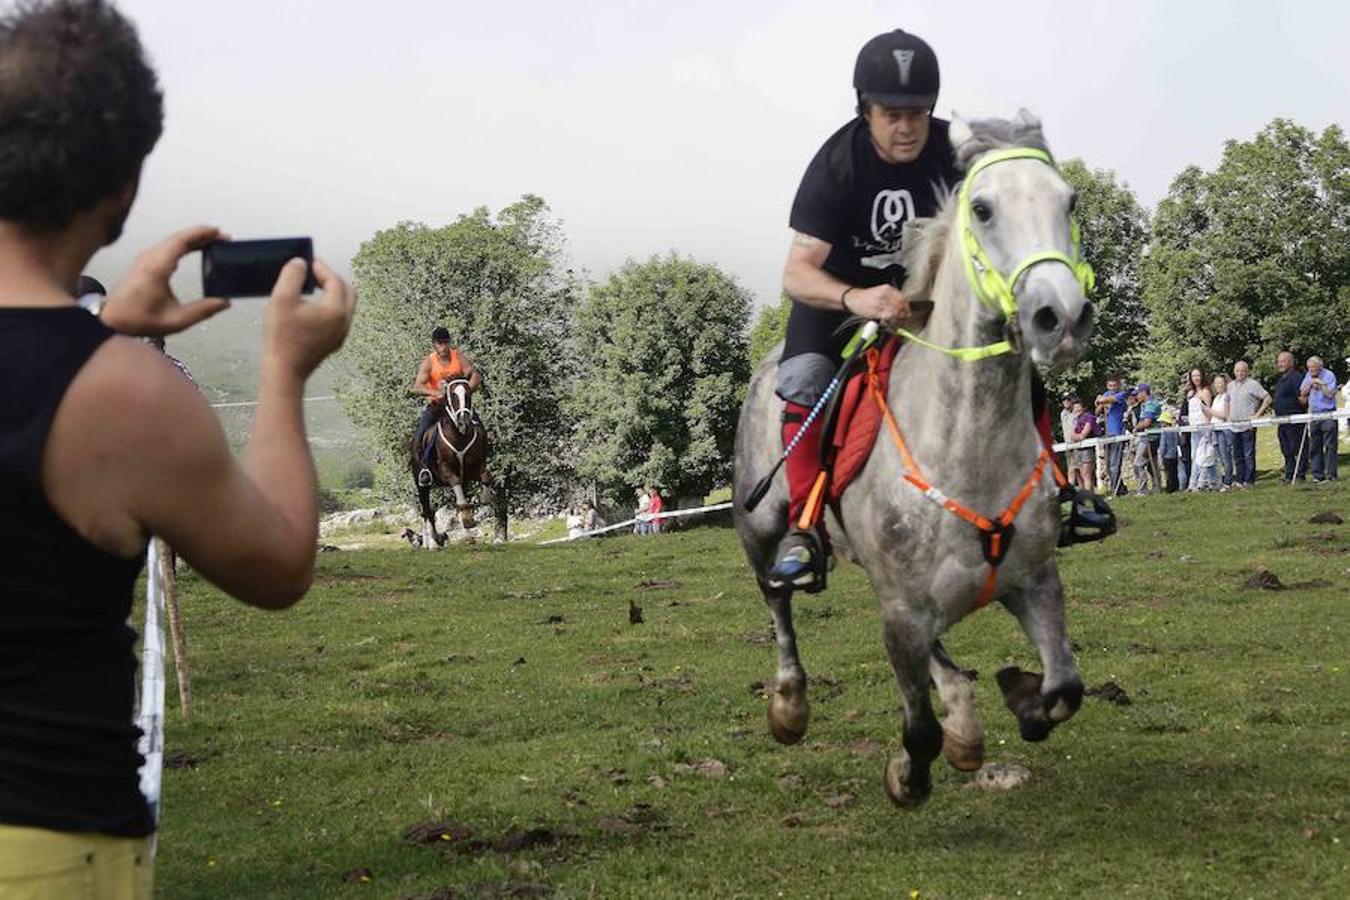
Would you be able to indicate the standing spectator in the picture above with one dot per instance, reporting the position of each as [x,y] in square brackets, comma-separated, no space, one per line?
[1247,400]
[1111,404]
[654,506]
[1204,458]
[574,523]
[103,443]
[591,518]
[1184,440]
[1318,390]
[1084,427]
[1168,451]
[644,502]
[1288,402]
[1223,438]
[1066,428]
[1146,453]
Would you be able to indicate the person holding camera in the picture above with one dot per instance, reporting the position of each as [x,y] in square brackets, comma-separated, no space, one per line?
[103,443]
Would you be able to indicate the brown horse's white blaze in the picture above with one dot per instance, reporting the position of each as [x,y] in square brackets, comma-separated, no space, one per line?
[969,428]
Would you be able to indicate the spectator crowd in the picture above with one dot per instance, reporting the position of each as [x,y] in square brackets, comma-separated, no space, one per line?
[1208,459]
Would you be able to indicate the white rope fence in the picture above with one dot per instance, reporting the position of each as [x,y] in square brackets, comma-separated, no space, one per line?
[644,517]
[242,403]
[1298,419]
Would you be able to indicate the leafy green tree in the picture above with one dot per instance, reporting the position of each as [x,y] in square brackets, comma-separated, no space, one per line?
[1114,232]
[1254,257]
[769,328]
[663,367]
[501,286]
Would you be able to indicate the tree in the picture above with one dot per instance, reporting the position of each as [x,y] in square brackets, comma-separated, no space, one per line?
[663,369]
[1114,231]
[769,328]
[500,285]
[1254,257]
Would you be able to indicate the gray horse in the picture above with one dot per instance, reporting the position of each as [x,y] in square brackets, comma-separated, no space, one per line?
[970,430]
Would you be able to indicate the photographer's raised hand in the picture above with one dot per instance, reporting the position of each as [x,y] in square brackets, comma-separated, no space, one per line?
[298,335]
[143,303]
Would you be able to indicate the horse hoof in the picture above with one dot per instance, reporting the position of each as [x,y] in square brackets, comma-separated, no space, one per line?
[898,780]
[788,719]
[962,755]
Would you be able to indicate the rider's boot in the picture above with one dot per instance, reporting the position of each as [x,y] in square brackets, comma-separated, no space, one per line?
[1086,516]
[424,477]
[801,558]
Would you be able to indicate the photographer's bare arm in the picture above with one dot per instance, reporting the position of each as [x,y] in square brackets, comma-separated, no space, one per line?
[806,281]
[134,449]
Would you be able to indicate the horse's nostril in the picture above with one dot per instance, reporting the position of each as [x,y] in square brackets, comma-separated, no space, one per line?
[1045,319]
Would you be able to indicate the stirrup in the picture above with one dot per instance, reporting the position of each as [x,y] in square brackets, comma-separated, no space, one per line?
[801,564]
[1089,517]
[424,478]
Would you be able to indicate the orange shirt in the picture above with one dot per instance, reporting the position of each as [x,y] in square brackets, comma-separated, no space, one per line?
[445,371]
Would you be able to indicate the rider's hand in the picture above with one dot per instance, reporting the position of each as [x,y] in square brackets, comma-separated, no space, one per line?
[142,303]
[884,303]
[300,335]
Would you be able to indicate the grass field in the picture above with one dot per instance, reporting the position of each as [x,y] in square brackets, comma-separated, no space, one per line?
[502,694]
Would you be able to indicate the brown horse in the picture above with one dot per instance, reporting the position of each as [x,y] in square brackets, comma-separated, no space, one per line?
[460,458]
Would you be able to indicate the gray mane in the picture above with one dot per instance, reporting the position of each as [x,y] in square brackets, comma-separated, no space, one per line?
[926,239]
[993,134]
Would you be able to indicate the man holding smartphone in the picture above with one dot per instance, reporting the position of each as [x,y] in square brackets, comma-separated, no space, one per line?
[103,443]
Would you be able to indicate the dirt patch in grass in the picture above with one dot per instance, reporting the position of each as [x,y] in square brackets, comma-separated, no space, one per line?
[1110,692]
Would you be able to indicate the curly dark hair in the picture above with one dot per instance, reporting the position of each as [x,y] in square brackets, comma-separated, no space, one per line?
[80,108]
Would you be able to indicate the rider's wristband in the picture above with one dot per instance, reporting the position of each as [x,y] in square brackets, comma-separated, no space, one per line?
[843,300]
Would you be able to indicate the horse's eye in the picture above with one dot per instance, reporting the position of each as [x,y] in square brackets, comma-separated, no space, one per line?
[981,210]
[1073,202]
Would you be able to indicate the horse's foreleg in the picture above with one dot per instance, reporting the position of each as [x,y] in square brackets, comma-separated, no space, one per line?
[789,712]
[908,776]
[464,508]
[962,729]
[1041,703]
[429,538]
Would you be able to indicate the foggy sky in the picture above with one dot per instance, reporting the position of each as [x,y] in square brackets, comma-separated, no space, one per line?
[652,126]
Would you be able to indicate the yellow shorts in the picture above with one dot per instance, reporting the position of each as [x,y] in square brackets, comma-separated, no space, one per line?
[36,864]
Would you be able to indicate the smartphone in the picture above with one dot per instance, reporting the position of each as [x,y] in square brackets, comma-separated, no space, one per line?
[250,268]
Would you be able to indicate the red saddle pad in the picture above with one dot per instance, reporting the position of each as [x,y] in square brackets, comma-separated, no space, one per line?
[860,419]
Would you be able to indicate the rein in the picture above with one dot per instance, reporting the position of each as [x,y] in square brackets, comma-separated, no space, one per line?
[990,286]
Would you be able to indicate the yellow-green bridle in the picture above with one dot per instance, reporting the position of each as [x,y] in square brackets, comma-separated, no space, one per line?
[992,288]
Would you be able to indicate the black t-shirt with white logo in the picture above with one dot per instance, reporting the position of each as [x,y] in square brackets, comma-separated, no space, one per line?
[859,203]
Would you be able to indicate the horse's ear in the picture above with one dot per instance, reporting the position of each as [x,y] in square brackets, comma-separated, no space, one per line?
[922,244]
[959,131]
[1028,119]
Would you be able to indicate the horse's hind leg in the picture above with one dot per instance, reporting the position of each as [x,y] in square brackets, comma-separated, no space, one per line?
[962,729]
[789,712]
[908,776]
[1041,703]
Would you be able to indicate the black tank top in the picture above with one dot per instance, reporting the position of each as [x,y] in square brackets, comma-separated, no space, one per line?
[68,756]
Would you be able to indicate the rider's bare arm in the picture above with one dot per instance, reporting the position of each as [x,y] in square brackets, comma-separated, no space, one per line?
[472,373]
[806,281]
[422,385]
[160,464]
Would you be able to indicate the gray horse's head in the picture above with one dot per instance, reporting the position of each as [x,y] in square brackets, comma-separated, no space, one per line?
[1020,208]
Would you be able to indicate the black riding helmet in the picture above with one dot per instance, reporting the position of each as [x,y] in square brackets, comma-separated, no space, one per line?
[896,69]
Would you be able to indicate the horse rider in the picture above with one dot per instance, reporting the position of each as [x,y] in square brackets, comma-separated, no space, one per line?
[890,164]
[444,363]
